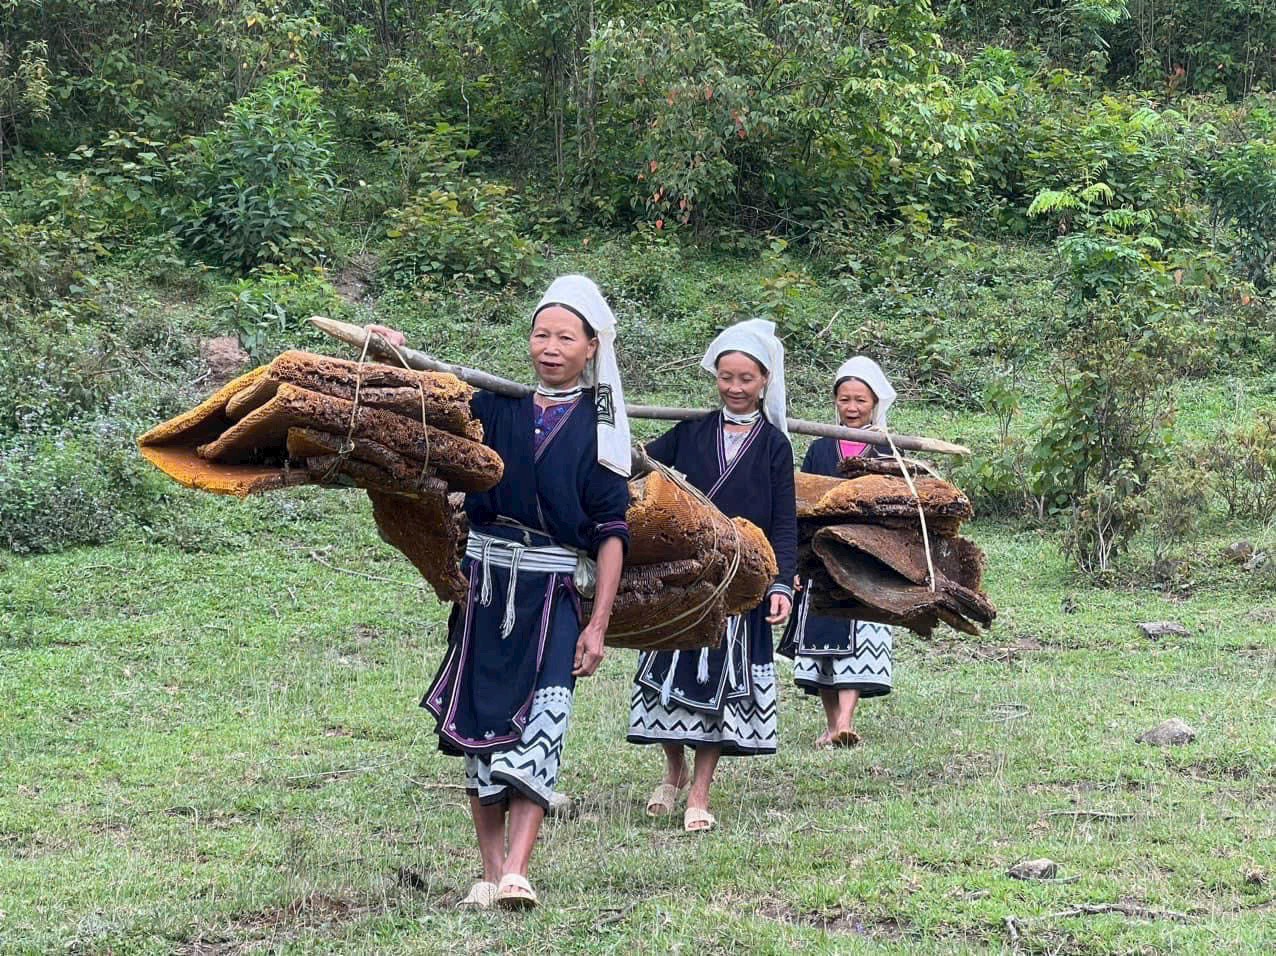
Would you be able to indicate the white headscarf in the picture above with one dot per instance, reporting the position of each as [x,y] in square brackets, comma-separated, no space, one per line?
[756,339]
[871,374]
[580,295]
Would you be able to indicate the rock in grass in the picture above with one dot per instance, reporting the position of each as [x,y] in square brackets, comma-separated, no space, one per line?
[1155,630]
[1172,733]
[561,807]
[1238,553]
[1257,560]
[224,358]
[1042,869]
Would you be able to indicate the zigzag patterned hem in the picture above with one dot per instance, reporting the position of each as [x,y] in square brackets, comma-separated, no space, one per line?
[504,786]
[813,687]
[868,669]
[729,748]
[745,728]
[530,767]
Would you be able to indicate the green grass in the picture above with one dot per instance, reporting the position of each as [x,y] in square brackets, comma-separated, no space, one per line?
[221,751]
[210,739]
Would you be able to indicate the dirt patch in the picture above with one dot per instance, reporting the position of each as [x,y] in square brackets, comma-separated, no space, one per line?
[968,650]
[353,281]
[1213,769]
[224,358]
[836,919]
[1262,615]
[279,924]
[30,846]
[365,634]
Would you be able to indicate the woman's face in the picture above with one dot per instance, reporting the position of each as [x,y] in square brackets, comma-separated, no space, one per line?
[560,347]
[855,403]
[741,382]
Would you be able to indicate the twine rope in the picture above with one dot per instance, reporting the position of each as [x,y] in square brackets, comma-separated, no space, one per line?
[347,446]
[702,609]
[921,512]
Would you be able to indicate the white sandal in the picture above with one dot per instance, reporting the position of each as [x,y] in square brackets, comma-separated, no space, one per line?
[663,799]
[516,893]
[697,820]
[482,895]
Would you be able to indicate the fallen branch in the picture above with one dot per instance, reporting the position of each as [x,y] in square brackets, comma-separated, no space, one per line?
[1091,814]
[361,574]
[1016,924]
[1124,909]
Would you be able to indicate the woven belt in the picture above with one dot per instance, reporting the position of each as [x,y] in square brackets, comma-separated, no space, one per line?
[496,552]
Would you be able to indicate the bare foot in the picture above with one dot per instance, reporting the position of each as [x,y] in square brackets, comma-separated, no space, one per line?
[676,778]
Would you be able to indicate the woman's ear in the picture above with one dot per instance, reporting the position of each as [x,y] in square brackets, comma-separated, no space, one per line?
[593,349]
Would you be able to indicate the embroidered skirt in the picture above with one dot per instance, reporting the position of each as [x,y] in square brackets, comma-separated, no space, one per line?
[838,654]
[503,695]
[725,697]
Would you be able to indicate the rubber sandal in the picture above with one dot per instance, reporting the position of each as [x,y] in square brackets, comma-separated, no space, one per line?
[663,799]
[516,893]
[482,895]
[703,820]
[845,738]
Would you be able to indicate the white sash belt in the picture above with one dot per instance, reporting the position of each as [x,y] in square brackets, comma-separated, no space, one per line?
[497,552]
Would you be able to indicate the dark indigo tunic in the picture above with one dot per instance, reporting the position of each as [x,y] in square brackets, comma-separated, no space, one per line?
[756,484]
[822,635]
[559,493]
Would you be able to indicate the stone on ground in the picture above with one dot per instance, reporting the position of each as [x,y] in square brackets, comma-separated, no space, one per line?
[1042,869]
[1172,733]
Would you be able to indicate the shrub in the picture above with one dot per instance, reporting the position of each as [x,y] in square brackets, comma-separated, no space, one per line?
[43,262]
[268,309]
[1241,185]
[1106,433]
[462,231]
[258,185]
[1178,496]
[1243,466]
[67,489]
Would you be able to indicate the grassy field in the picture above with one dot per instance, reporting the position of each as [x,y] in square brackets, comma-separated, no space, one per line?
[211,743]
[218,750]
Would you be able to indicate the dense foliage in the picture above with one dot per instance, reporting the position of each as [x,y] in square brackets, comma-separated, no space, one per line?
[1051,214]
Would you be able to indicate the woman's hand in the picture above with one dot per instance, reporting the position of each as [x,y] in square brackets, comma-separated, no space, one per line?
[589,650]
[393,336]
[781,605]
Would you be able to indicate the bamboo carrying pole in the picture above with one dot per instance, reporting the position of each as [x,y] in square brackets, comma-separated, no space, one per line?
[356,336]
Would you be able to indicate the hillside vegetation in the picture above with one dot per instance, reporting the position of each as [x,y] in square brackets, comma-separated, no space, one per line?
[1053,223]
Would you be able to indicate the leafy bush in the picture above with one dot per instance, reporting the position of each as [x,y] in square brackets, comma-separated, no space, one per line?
[259,184]
[774,117]
[1241,184]
[1178,496]
[43,262]
[1243,466]
[268,308]
[67,489]
[1112,157]
[460,231]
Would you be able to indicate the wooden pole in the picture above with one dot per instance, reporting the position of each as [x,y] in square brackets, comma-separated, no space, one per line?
[355,335]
